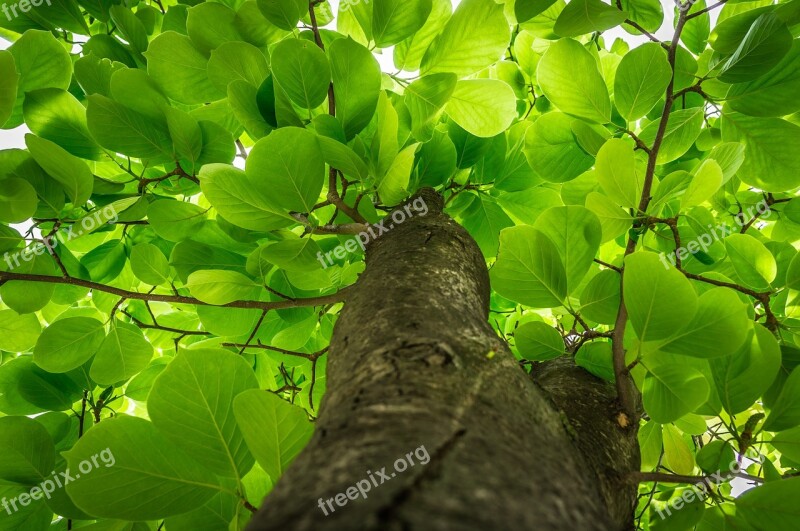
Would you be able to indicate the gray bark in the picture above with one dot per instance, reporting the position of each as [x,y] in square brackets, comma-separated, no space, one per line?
[409,366]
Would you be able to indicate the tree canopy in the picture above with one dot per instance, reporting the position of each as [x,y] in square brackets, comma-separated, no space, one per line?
[181,230]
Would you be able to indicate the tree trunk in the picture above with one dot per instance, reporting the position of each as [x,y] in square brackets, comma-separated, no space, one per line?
[414,363]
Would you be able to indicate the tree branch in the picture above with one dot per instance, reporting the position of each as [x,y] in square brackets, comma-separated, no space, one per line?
[312,357]
[661,477]
[177,171]
[345,228]
[770,201]
[706,10]
[762,296]
[624,384]
[339,296]
[333,193]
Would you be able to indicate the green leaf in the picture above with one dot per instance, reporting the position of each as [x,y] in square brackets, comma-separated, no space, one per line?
[356,82]
[425,99]
[696,30]
[715,456]
[187,138]
[343,158]
[788,443]
[211,24]
[26,297]
[237,60]
[180,69]
[108,47]
[649,14]
[408,54]
[8,85]
[600,297]
[56,115]
[769,162]
[285,14]
[142,474]
[292,255]
[68,344]
[528,269]
[619,173]
[768,506]
[149,264]
[672,391]
[785,412]
[41,62]
[772,94]
[568,76]
[124,353]
[135,89]
[718,328]
[475,37]
[218,144]
[175,221]
[575,231]
[650,438]
[484,219]
[538,341]
[27,453]
[131,28]
[614,219]
[754,264]
[394,20]
[243,99]
[220,287]
[596,357]
[18,200]
[288,168]
[682,130]
[191,402]
[223,511]
[123,130]
[26,389]
[393,186]
[705,182]
[18,333]
[483,107]
[641,79]
[189,256]
[586,16]
[303,71]
[677,455]
[239,201]
[551,149]
[72,173]
[761,49]
[105,262]
[744,376]
[275,430]
[660,300]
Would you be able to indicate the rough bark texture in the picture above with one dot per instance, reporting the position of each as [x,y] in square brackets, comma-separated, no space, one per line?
[410,366]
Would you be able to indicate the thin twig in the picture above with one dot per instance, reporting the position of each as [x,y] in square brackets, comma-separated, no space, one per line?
[175,299]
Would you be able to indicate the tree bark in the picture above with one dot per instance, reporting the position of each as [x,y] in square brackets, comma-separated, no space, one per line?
[413,362]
